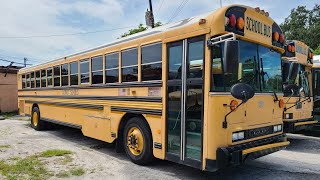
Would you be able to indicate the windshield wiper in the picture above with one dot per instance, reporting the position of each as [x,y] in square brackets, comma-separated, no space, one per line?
[274,92]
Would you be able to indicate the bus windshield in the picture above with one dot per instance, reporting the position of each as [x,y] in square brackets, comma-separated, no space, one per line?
[259,66]
[295,79]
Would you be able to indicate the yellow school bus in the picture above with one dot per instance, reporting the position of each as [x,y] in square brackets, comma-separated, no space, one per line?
[316,89]
[204,92]
[297,84]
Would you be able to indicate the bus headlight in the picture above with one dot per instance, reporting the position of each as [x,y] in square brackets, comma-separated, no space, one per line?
[277,128]
[237,136]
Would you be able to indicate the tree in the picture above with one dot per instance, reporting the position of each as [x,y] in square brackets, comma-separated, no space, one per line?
[140,28]
[303,25]
[317,51]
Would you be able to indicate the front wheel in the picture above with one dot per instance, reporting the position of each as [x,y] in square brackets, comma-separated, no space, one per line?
[36,123]
[138,141]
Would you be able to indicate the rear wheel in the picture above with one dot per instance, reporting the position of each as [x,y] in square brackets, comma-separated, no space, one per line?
[36,123]
[138,141]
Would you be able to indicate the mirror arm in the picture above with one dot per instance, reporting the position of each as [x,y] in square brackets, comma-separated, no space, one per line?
[285,109]
[225,123]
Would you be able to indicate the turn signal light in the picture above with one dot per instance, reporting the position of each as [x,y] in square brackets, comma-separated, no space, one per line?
[281,38]
[233,105]
[281,103]
[232,20]
[289,48]
[240,23]
[276,36]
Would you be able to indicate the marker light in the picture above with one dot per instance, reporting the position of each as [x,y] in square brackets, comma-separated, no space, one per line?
[240,23]
[281,103]
[276,36]
[289,48]
[233,105]
[238,136]
[281,38]
[232,20]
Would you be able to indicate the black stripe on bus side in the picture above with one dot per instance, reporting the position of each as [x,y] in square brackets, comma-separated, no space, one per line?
[119,85]
[137,110]
[76,126]
[85,106]
[116,98]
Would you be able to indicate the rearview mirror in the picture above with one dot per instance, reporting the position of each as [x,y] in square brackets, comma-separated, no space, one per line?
[242,91]
[231,57]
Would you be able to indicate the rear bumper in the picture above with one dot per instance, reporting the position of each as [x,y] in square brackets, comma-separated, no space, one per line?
[298,125]
[239,154]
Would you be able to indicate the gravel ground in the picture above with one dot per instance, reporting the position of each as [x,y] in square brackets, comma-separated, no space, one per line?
[99,160]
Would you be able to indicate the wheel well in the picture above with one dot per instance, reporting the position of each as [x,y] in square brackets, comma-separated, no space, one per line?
[123,122]
[33,106]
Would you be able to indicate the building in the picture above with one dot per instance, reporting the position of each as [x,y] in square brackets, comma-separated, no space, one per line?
[8,89]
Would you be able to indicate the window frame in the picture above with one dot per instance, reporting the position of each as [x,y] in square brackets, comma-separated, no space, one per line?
[23,81]
[151,63]
[83,61]
[111,69]
[49,68]
[77,73]
[56,76]
[43,78]
[94,71]
[38,79]
[61,75]
[130,66]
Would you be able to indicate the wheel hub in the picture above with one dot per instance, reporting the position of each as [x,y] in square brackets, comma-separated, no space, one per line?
[135,141]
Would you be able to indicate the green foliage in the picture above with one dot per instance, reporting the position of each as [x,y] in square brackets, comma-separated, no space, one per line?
[317,51]
[140,28]
[55,152]
[303,25]
[28,168]
[77,171]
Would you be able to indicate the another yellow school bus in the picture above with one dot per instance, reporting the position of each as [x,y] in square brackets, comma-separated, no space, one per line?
[297,83]
[316,90]
[205,92]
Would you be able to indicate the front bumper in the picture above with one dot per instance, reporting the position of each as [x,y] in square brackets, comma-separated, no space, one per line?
[298,125]
[239,154]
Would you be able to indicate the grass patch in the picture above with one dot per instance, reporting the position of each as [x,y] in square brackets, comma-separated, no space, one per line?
[8,115]
[4,146]
[67,159]
[63,174]
[77,171]
[55,152]
[14,158]
[28,168]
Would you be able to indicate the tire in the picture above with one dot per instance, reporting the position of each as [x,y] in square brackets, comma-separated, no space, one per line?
[141,132]
[36,123]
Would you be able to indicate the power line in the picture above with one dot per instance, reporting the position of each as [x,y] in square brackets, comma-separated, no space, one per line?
[160,6]
[178,10]
[20,58]
[13,62]
[61,35]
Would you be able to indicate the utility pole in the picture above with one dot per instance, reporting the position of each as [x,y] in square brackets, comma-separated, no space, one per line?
[25,62]
[150,16]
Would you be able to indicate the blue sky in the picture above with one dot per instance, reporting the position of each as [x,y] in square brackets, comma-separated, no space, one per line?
[54,17]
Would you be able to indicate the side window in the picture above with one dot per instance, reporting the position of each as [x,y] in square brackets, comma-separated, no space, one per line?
[32,80]
[151,65]
[195,57]
[65,75]
[23,80]
[28,81]
[74,73]
[84,71]
[43,78]
[49,76]
[97,70]
[217,73]
[129,59]
[56,71]
[112,68]
[38,79]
